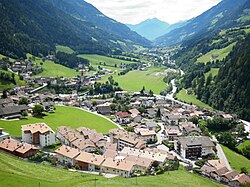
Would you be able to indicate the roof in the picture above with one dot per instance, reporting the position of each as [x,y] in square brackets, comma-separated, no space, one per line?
[118,164]
[8,110]
[90,158]
[216,163]
[123,114]
[134,111]
[160,157]
[9,144]
[150,124]
[146,132]
[68,151]
[37,127]
[25,147]
[230,175]
[187,141]
[242,178]
[83,144]
[139,161]
[221,171]
[207,169]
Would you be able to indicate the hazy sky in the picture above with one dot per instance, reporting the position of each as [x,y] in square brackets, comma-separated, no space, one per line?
[135,11]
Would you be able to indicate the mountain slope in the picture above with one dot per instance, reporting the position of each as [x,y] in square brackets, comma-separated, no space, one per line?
[150,28]
[226,14]
[28,26]
[153,28]
[85,11]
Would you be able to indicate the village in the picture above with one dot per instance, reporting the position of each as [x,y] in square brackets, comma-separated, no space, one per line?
[153,135]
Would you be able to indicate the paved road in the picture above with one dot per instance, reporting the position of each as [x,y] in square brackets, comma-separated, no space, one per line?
[221,154]
[39,88]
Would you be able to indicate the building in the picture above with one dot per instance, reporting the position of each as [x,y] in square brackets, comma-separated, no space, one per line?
[38,134]
[89,161]
[193,147]
[10,112]
[172,133]
[66,155]
[123,117]
[104,109]
[240,180]
[3,135]
[146,134]
[121,167]
[17,148]
[126,139]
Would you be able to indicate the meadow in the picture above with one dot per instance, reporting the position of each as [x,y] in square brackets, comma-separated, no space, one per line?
[19,173]
[63,116]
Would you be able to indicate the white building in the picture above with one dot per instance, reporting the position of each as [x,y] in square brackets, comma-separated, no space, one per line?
[38,134]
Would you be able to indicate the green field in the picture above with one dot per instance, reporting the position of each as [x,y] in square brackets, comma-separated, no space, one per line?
[236,160]
[96,59]
[63,116]
[8,85]
[214,72]
[134,81]
[221,52]
[244,144]
[65,49]
[183,96]
[18,173]
[51,69]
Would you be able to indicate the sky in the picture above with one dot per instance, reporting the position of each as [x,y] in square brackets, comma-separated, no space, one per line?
[136,11]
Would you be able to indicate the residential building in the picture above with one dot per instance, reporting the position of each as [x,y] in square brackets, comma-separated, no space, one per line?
[123,117]
[38,134]
[89,161]
[146,134]
[173,132]
[66,155]
[194,147]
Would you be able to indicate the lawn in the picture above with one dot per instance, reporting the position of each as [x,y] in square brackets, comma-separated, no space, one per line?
[51,69]
[221,52]
[236,160]
[96,59]
[18,173]
[244,144]
[65,49]
[63,116]
[183,96]
[6,84]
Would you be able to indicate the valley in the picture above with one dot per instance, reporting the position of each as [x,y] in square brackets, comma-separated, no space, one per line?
[87,100]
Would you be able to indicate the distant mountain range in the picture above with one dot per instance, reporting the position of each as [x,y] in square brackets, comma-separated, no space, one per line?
[153,28]
[38,26]
[228,13]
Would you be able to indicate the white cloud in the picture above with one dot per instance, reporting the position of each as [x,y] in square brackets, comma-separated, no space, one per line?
[135,11]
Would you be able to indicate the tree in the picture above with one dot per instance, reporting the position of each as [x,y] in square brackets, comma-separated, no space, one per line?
[38,110]
[195,120]
[23,101]
[151,93]
[243,170]
[143,89]
[5,94]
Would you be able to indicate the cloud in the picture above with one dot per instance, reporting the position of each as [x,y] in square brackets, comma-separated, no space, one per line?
[135,11]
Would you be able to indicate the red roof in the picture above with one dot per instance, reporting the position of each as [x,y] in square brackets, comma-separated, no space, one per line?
[123,114]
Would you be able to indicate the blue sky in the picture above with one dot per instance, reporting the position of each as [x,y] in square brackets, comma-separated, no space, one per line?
[135,11]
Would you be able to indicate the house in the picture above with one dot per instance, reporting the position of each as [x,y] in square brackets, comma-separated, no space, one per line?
[123,117]
[134,112]
[3,135]
[104,109]
[84,145]
[126,139]
[151,113]
[89,161]
[228,176]
[17,148]
[193,147]
[172,133]
[118,167]
[217,173]
[158,158]
[240,180]
[188,128]
[10,112]
[151,125]
[66,155]
[146,134]
[38,134]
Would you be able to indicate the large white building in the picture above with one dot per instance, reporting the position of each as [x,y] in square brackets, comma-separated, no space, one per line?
[38,134]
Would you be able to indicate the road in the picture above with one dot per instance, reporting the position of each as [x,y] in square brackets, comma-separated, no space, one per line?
[221,154]
[39,88]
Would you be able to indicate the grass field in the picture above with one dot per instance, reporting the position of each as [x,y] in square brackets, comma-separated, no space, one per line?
[51,69]
[7,84]
[236,160]
[221,52]
[134,81]
[183,96]
[96,59]
[214,72]
[63,116]
[18,173]
[65,49]
[244,144]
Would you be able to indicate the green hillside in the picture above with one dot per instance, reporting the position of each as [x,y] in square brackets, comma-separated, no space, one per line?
[65,49]
[64,116]
[19,173]
[4,84]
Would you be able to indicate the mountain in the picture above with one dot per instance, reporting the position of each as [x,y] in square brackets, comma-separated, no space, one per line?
[228,13]
[86,12]
[150,28]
